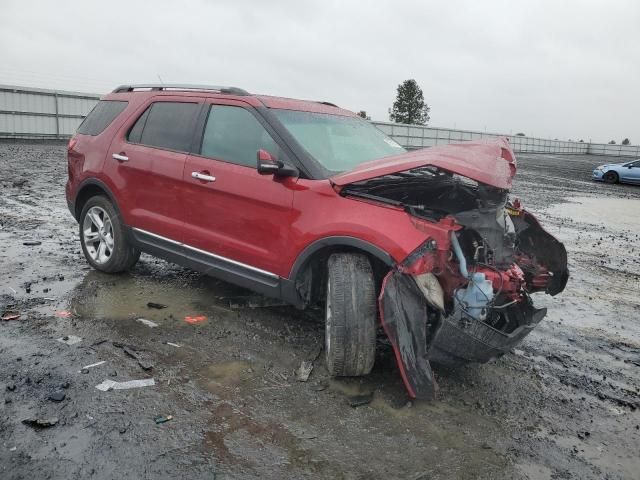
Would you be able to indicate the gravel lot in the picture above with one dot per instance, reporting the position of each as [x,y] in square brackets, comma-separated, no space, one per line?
[565,404]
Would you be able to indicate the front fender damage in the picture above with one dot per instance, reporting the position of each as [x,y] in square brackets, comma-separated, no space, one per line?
[411,327]
[443,305]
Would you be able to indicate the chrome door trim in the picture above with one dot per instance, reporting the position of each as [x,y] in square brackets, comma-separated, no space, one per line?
[212,255]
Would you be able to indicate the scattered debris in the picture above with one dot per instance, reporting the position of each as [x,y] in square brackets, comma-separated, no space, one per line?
[360,400]
[13,449]
[146,322]
[11,315]
[319,387]
[144,364]
[172,344]
[195,319]
[98,342]
[57,397]
[63,314]
[304,370]
[40,423]
[70,339]
[32,243]
[11,387]
[86,368]
[155,305]
[163,418]
[111,385]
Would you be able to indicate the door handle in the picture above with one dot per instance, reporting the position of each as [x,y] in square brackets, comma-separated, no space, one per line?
[120,157]
[203,176]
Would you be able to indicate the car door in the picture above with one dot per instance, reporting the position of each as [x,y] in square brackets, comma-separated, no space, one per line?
[146,161]
[239,219]
[631,172]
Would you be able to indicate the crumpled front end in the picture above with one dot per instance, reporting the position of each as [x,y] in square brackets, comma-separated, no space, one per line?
[465,294]
[454,302]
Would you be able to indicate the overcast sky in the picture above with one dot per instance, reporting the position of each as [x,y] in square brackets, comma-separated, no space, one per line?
[555,69]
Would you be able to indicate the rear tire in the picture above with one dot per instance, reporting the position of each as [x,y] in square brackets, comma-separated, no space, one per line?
[611,177]
[350,331]
[103,237]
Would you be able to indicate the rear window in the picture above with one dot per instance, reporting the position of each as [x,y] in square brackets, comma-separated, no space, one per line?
[101,116]
[165,125]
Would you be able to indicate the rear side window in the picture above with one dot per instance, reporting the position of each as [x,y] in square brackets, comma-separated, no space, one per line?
[101,116]
[165,125]
[233,134]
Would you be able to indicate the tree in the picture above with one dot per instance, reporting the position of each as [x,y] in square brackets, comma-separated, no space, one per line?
[409,106]
[581,141]
[364,115]
[626,142]
[520,134]
[612,142]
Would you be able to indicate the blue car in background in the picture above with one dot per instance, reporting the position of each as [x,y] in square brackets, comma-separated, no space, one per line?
[628,172]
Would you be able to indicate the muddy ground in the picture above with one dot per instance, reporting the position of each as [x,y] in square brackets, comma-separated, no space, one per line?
[565,404]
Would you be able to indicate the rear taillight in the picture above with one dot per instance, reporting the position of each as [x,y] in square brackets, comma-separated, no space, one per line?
[72,143]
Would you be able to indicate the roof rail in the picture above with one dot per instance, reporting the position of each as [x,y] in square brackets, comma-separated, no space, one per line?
[180,86]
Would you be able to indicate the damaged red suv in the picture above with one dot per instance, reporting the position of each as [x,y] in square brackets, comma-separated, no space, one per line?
[307,202]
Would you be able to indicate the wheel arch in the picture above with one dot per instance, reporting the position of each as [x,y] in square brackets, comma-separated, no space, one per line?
[305,279]
[90,188]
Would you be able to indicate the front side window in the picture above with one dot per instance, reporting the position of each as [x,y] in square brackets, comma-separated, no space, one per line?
[234,135]
[165,125]
[339,143]
[101,117]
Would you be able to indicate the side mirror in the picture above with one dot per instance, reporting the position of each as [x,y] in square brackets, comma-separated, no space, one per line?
[269,165]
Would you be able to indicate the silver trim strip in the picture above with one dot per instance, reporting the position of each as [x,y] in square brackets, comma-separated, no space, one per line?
[204,252]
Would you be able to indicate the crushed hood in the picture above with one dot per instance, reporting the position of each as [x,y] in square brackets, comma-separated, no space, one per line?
[490,162]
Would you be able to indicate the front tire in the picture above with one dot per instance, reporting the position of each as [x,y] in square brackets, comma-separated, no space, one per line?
[350,330]
[611,177]
[103,237]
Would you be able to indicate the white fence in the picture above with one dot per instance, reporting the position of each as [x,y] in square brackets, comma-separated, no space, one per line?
[54,114]
[418,136]
[41,114]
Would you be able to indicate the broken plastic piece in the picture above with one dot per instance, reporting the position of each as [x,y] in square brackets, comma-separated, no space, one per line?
[194,320]
[40,422]
[111,385]
[155,305]
[63,314]
[411,329]
[70,339]
[304,370]
[146,322]
[10,315]
[163,418]
[91,366]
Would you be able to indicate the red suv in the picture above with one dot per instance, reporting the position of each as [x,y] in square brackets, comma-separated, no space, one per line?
[307,202]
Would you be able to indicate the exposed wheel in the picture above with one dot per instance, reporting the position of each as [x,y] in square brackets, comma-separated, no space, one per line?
[610,177]
[350,332]
[103,238]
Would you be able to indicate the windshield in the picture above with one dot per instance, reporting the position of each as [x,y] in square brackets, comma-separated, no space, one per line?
[338,143]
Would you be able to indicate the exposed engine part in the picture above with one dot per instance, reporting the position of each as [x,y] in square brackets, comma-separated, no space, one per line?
[474,300]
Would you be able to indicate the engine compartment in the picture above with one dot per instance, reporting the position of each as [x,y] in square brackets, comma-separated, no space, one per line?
[465,294]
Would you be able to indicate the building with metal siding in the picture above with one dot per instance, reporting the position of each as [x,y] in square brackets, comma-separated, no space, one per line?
[40,113]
